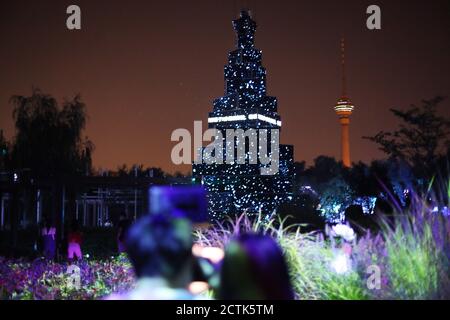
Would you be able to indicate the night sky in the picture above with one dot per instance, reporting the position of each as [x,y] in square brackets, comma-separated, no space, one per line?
[146,68]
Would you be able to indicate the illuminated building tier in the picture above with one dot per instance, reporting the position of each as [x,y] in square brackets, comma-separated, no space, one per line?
[235,188]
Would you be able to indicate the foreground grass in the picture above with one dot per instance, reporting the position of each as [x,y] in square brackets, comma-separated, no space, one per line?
[407,259]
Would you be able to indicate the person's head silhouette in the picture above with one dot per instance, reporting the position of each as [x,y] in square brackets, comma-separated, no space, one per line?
[160,246]
[254,268]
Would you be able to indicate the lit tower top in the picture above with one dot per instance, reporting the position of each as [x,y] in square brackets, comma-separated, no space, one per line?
[245,103]
[344,109]
[245,28]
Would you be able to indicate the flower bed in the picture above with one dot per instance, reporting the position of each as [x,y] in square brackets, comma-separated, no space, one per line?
[44,280]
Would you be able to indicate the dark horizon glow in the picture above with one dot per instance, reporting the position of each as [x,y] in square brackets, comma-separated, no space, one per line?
[146,68]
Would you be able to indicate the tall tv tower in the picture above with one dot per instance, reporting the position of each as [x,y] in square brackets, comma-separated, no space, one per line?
[344,109]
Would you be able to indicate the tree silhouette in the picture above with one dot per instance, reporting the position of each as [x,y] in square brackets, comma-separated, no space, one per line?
[139,171]
[49,138]
[335,196]
[324,169]
[421,138]
[4,152]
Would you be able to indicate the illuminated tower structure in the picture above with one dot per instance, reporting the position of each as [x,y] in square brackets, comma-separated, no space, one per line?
[344,109]
[235,188]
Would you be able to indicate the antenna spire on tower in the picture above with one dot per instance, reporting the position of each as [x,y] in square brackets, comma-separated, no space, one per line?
[344,79]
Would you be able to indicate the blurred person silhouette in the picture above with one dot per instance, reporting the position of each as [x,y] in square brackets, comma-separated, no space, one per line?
[74,240]
[123,226]
[254,268]
[160,249]
[48,233]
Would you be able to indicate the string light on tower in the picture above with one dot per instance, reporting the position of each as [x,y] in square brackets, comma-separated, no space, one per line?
[236,188]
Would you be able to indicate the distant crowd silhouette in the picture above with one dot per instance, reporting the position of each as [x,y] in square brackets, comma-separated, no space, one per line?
[50,245]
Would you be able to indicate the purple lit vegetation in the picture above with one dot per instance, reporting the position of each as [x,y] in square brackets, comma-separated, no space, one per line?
[411,254]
